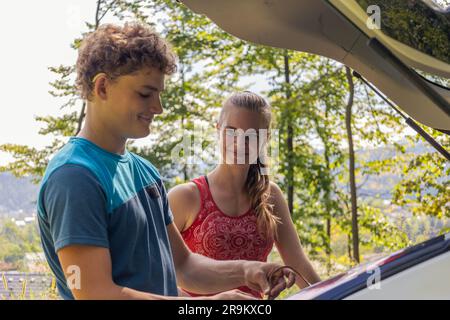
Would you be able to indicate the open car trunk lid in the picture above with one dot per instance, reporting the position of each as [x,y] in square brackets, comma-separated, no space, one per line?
[338,29]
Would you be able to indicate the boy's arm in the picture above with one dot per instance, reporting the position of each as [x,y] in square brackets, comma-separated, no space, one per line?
[94,279]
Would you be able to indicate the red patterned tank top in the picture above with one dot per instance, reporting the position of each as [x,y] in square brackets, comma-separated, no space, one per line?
[222,237]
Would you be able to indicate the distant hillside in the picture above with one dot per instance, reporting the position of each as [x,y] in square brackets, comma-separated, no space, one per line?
[17,194]
[383,184]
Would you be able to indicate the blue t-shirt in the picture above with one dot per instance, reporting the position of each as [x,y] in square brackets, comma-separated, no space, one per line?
[90,196]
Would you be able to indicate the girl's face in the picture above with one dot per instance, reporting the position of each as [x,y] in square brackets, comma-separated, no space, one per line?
[242,134]
[131,102]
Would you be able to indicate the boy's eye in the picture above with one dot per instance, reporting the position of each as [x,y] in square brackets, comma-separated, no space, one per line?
[144,95]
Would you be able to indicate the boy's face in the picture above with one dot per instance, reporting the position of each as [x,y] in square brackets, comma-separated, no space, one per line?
[131,101]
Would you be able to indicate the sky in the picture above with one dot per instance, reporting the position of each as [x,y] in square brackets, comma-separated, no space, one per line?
[34,36]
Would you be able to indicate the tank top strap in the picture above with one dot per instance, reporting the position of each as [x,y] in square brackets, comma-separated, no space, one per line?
[203,188]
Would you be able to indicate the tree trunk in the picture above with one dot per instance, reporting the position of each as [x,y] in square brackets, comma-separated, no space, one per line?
[98,18]
[349,247]
[351,151]
[290,138]
[327,196]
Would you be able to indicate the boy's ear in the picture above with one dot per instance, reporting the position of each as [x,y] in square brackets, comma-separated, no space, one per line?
[100,86]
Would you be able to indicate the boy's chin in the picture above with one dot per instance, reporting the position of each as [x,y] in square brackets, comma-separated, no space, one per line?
[139,135]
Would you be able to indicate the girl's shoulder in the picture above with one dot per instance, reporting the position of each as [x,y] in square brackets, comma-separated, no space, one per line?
[278,201]
[184,201]
[186,193]
[276,194]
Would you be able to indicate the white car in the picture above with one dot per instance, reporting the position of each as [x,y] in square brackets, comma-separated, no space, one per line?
[413,72]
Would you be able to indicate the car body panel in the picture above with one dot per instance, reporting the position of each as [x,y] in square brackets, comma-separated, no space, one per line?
[429,280]
[398,268]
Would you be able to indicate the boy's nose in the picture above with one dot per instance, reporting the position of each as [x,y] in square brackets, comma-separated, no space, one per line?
[157,107]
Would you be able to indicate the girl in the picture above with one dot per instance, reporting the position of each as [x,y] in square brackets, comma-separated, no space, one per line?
[235,212]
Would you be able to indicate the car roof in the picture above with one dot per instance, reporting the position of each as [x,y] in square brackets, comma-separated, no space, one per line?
[337,29]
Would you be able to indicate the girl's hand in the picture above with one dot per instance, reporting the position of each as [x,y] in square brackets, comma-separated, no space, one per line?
[269,278]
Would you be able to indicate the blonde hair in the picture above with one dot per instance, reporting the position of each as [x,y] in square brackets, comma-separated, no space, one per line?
[257,184]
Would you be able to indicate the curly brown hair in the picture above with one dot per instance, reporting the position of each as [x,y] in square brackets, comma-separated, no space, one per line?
[121,50]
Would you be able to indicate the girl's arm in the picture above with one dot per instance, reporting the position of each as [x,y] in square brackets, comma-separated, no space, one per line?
[288,242]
